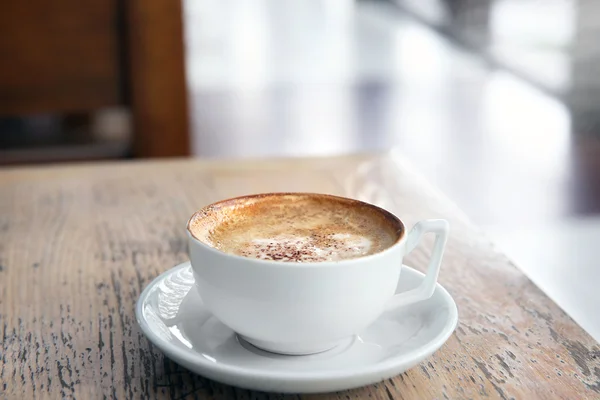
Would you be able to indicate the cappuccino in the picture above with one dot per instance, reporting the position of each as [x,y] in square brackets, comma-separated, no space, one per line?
[296,227]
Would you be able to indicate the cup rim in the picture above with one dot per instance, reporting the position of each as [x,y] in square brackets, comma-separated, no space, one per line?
[387,214]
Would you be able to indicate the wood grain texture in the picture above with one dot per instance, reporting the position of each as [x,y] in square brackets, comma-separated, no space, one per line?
[79,243]
[157,88]
[58,56]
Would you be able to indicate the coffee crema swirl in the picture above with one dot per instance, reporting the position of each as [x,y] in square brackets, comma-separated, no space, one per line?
[296,227]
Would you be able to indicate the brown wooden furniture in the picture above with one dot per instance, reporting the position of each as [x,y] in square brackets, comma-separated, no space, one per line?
[79,243]
[64,57]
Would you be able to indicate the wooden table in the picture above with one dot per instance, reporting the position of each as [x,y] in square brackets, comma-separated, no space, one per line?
[78,243]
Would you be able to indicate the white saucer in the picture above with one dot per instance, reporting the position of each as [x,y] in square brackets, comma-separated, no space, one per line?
[171,314]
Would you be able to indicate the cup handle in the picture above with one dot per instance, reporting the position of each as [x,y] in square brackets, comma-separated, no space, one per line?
[440,228]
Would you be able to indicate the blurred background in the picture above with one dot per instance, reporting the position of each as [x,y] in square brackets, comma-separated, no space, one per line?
[493,101]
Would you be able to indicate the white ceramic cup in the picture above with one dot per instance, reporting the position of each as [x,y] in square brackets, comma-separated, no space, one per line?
[304,308]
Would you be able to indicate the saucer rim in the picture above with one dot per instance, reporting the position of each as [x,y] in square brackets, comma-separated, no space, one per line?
[190,357]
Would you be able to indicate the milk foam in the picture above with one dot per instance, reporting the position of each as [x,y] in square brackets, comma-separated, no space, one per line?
[340,246]
[296,228]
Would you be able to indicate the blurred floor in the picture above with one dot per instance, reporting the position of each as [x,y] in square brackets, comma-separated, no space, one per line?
[322,77]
